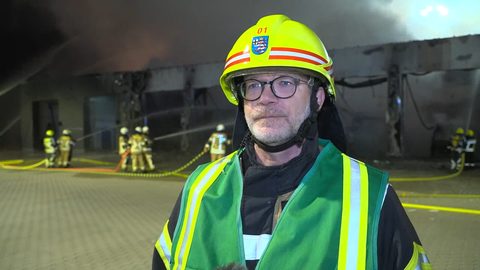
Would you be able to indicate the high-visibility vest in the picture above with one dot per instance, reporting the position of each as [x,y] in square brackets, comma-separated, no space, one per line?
[122,144]
[49,144]
[64,143]
[218,143]
[470,145]
[147,144]
[330,221]
[136,144]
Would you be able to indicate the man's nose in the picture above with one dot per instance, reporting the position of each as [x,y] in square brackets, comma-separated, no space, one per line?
[267,95]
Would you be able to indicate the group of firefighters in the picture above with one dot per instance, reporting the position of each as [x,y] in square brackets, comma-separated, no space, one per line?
[62,147]
[462,142]
[140,146]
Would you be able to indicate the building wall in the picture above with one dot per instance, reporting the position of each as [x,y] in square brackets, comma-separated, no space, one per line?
[444,100]
[71,95]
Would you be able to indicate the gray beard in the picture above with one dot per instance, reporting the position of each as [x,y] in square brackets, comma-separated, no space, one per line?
[277,138]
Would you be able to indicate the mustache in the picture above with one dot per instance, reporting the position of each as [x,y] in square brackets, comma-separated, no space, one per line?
[261,112]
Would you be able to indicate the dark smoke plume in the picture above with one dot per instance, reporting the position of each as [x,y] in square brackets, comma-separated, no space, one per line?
[28,30]
[124,35]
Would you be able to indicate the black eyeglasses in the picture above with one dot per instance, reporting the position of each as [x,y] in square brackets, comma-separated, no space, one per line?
[282,87]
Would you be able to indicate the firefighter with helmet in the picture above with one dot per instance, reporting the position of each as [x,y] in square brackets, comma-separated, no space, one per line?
[288,197]
[123,147]
[136,143]
[217,143]
[470,149]
[65,144]
[147,149]
[457,147]
[51,148]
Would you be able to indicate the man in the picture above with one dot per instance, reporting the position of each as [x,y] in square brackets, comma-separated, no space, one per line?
[50,148]
[470,149]
[286,199]
[457,147]
[70,154]
[65,144]
[136,150]
[147,149]
[123,147]
[217,143]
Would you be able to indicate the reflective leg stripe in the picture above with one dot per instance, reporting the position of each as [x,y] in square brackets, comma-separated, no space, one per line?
[419,260]
[255,245]
[203,182]
[353,231]
[164,246]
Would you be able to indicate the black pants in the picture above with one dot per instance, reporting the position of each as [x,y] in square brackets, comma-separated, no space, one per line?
[469,159]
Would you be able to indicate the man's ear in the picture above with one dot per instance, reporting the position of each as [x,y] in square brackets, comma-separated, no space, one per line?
[320,97]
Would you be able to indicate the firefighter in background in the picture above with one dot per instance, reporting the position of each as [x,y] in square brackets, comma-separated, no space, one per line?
[71,149]
[136,150]
[457,146]
[470,149]
[50,149]
[147,149]
[123,146]
[65,145]
[217,143]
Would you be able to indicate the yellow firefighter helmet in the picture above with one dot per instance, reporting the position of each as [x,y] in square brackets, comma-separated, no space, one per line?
[460,131]
[470,133]
[50,132]
[277,43]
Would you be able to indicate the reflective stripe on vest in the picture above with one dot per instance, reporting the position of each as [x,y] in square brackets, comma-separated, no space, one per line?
[207,177]
[419,260]
[470,145]
[255,245]
[353,233]
[164,245]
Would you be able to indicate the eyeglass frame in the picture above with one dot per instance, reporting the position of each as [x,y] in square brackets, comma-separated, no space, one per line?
[263,83]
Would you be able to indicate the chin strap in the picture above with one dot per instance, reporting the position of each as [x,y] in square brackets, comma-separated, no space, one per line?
[307,129]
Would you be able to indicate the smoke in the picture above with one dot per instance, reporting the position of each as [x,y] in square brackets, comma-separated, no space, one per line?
[29,31]
[122,35]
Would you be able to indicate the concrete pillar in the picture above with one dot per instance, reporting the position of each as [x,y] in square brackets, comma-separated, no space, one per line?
[394,116]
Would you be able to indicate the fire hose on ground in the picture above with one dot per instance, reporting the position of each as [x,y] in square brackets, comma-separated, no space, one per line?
[11,164]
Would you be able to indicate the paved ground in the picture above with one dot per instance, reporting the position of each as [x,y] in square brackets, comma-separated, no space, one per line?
[63,220]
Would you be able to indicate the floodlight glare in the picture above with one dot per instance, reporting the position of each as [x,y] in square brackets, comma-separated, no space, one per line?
[442,10]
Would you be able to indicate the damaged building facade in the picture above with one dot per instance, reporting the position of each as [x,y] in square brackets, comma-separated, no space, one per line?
[395,100]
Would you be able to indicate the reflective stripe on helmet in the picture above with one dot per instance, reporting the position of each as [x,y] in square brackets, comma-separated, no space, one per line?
[241,57]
